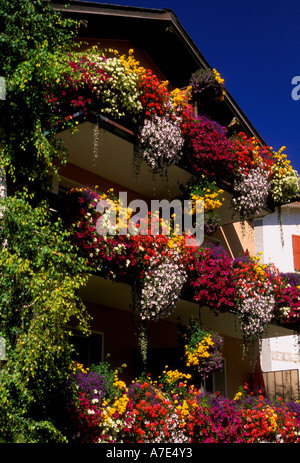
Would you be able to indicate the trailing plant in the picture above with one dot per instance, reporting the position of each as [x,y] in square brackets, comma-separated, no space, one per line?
[160,143]
[40,277]
[201,188]
[207,85]
[202,349]
[284,179]
[251,190]
[256,286]
[33,38]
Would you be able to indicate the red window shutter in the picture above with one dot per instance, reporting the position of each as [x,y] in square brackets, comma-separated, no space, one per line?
[296,251]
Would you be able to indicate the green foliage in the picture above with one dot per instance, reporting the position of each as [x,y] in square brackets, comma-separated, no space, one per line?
[40,275]
[32,38]
[28,26]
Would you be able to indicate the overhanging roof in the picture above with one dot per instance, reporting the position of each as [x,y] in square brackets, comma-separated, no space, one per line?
[161,36]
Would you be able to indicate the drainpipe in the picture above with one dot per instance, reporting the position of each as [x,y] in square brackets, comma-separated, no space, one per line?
[3,193]
[3,186]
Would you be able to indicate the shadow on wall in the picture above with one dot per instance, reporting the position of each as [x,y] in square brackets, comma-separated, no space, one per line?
[236,239]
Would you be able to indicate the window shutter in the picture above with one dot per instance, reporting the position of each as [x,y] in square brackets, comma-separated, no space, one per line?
[296,251]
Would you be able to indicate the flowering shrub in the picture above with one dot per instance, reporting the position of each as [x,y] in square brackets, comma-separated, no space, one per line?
[169,410]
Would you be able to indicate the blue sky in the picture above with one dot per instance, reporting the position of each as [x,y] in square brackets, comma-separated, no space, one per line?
[255,46]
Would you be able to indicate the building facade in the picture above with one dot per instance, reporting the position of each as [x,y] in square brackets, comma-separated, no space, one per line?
[276,237]
[101,153]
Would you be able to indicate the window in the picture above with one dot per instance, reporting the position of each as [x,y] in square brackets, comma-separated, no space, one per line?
[217,382]
[296,251]
[89,349]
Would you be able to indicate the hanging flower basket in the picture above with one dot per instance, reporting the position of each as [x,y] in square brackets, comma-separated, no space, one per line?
[207,86]
[160,143]
[251,192]
[200,188]
[202,349]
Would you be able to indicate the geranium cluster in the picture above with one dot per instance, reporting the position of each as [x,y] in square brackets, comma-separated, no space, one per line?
[212,278]
[267,422]
[154,96]
[210,151]
[250,153]
[149,411]
[157,420]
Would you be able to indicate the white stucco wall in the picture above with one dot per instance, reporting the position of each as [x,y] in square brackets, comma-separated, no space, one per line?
[280,353]
[268,237]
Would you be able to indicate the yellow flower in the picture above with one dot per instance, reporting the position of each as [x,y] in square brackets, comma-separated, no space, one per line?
[80,367]
[238,396]
[220,81]
[200,352]
[180,97]
[175,375]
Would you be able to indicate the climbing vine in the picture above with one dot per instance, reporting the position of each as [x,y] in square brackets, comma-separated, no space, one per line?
[40,273]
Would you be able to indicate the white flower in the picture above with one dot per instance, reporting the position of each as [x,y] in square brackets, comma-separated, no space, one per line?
[160,142]
[162,286]
[251,191]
